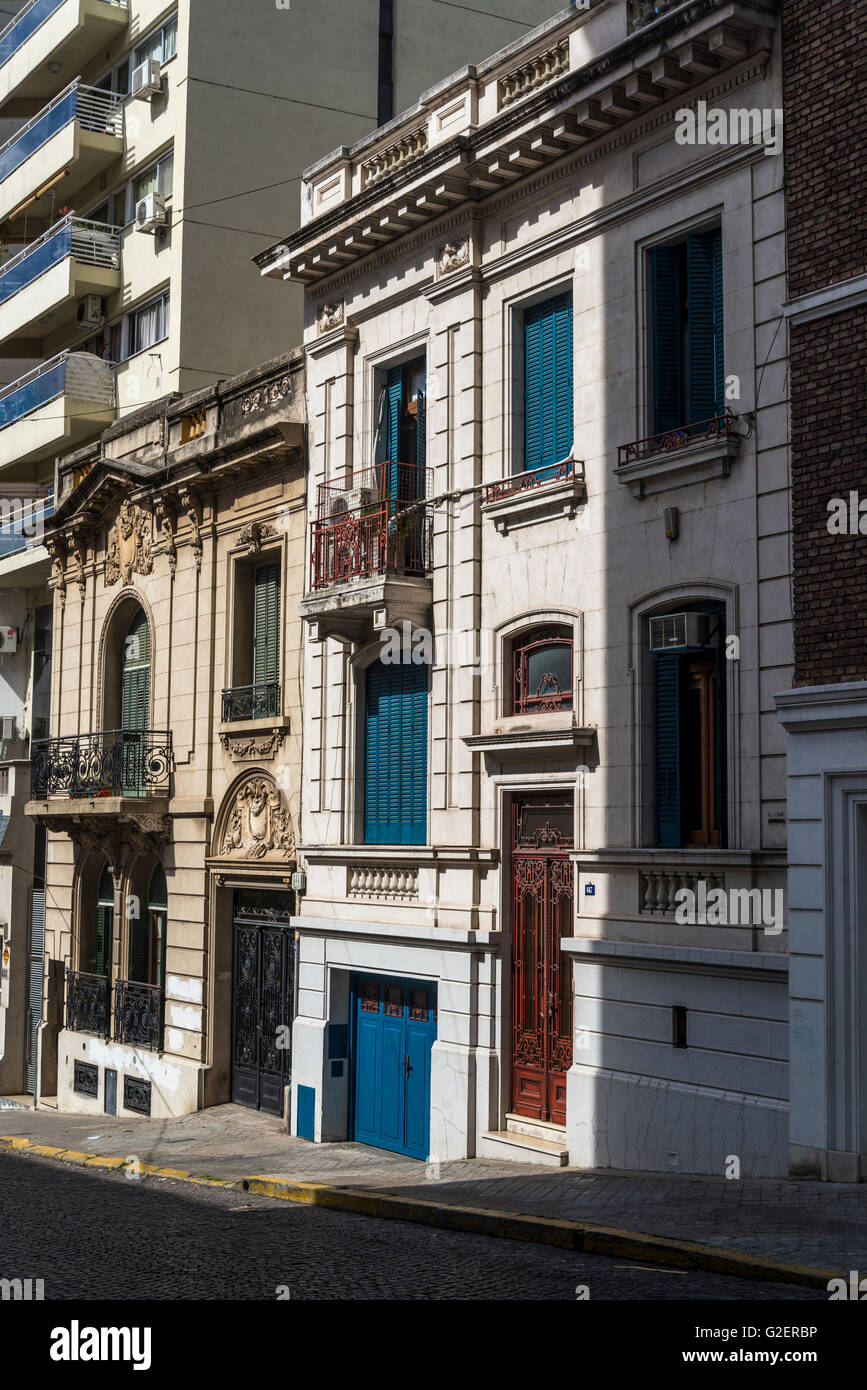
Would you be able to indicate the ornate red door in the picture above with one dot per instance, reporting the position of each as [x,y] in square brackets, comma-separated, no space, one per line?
[542,901]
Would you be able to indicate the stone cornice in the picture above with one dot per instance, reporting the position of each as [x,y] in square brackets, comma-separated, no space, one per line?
[830,299]
[808,709]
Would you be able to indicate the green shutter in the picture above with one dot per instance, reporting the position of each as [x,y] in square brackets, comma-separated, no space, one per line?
[139,953]
[667,329]
[548,383]
[266,625]
[704,325]
[395,764]
[666,725]
[104,924]
[136,674]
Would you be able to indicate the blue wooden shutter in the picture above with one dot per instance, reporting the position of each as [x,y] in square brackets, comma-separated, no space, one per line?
[667,299]
[266,624]
[421,445]
[395,404]
[548,389]
[666,725]
[395,762]
[704,325]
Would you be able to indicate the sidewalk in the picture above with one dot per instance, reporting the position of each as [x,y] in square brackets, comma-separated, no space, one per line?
[822,1226]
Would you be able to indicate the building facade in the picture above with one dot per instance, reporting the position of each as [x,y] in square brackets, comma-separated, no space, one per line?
[168,792]
[137,178]
[548,606]
[825,713]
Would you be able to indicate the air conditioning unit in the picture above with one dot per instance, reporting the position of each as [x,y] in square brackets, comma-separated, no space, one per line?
[150,212]
[91,311]
[8,730]
[354,499]
[8,639]
[681,630]
[146,80]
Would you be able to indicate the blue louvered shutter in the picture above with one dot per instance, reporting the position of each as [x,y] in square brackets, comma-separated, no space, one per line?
[666,725]
[395,405]
[548,389]
[420,445]
[666,320]
[704,325]
[395,762]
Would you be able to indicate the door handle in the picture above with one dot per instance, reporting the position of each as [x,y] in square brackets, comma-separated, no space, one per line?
[406,1066]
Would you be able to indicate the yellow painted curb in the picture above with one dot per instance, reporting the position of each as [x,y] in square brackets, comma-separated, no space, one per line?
[98,1161]
[177,1173]
[14,1141]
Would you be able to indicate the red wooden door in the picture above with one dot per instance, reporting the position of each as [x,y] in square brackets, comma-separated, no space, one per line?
[542,914]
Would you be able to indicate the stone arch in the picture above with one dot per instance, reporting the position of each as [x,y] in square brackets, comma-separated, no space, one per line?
[254,822]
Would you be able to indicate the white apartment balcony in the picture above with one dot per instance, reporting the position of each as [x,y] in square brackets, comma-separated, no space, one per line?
[48,42]
[42,287]
[61,404]
[24,559]
[62,149]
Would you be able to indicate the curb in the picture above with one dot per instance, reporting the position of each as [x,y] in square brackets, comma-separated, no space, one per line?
[539,1230]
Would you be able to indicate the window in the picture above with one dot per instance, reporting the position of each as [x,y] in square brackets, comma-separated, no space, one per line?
[395,754]
[688,384]
[548,422]
[149,325]
[41,688]
[162,44]
[159,178]
[266,624]
[401,427]
[147,935]
[255,689]
[96,953]
[542,671]
[115,81]
[689,721]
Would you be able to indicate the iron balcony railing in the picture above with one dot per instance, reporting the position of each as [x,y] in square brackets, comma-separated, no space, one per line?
[532,478]
[260,701]
[138,1014]
[81,375]
[90,243]
[30,18]
[93,109]
[87,1003]
[22,522]
[377,524]
[670,441]
[120,762]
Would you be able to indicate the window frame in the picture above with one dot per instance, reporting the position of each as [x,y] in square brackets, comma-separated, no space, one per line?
[540,635]
[680,241]
[134,348]
[159,31]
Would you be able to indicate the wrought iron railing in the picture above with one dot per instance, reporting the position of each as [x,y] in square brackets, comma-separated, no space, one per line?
[30,18]
[532,478]
[717,427]
[390,483]
[138,1014]
[364,543]
[80,375]
[93,109]
[87,1003]
[120,762]
[91,243]
[260,701]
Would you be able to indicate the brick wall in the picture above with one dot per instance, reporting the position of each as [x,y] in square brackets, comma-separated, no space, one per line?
[825,60]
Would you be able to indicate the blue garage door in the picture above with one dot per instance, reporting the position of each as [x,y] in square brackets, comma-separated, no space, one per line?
[394,1029]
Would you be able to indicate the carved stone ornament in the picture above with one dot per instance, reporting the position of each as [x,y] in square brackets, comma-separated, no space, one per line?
[256,533]
[253,747]
[193,512]
[259,825]
[165,515]
[268,395]
[330,316]
[129,545]
[56,548]
[453,256]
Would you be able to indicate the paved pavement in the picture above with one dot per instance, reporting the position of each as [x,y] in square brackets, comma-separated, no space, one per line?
[816,1224]
[93,1235]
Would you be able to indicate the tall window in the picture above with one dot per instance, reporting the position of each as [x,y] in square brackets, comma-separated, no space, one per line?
[135,704]
[162,44]
[395,754]
[96,953]
[255,663]
[548,418]
[687,331]
[159,178]
[542,670]
[147,935]
[266,624]
[149,325]
[401,430]
[689,719]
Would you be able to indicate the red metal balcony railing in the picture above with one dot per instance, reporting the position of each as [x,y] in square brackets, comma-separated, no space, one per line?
[532,478]
[394,484]
[717,427]
[375,524]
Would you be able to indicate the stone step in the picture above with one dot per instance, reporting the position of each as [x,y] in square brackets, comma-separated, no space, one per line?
[539,1129]
[522,1148]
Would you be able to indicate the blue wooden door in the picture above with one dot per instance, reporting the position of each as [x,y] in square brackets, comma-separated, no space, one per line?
[395,1026]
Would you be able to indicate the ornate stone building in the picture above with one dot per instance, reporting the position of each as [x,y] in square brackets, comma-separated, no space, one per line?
[169,788]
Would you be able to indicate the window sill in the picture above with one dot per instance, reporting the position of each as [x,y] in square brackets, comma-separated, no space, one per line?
[545,502]
[697,463]
[524,742]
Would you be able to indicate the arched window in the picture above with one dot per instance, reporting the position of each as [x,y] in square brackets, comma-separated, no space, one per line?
[135,698]
[147,935]
[542,670]
[395,754]
[100,956]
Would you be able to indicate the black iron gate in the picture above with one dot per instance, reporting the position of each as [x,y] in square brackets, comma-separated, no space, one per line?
[262,1000]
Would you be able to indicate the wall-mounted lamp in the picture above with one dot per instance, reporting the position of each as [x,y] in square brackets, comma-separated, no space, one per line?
[672,523]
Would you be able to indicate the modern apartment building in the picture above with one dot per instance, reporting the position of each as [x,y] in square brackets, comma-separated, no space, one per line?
[150,150]
[548,606]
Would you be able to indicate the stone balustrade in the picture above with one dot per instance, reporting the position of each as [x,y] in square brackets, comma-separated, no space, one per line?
[398,883]
[539,70]
[657,888]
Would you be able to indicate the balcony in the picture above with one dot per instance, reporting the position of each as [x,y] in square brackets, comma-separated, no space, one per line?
[244,702]
[370,549]
[23,557]
[138,1014]
[538,494]
[41,287]
[87,1003]
[57,406]
[62,149]
[692,454]
[48,42]
[120,764]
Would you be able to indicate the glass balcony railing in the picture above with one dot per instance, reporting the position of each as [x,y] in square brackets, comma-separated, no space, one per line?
[22,522]
[30,18]
[79,374]
[91,243]
[94,110]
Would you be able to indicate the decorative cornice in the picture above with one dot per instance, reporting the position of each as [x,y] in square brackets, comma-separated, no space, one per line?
[830,299]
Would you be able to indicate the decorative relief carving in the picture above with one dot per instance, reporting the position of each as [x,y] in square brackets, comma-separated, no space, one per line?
[453,256]
[330,316]
[56,547]
[244,748]
[168,527]
[79,551]
[389,160]
[129,545]
[256,533]
[259,824]
[526,78]
[193,512]
[270,394]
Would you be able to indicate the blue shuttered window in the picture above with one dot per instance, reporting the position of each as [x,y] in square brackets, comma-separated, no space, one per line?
[666,708]
[687,331]
[548,391]
[395,407]
[395,759]
[667,338]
